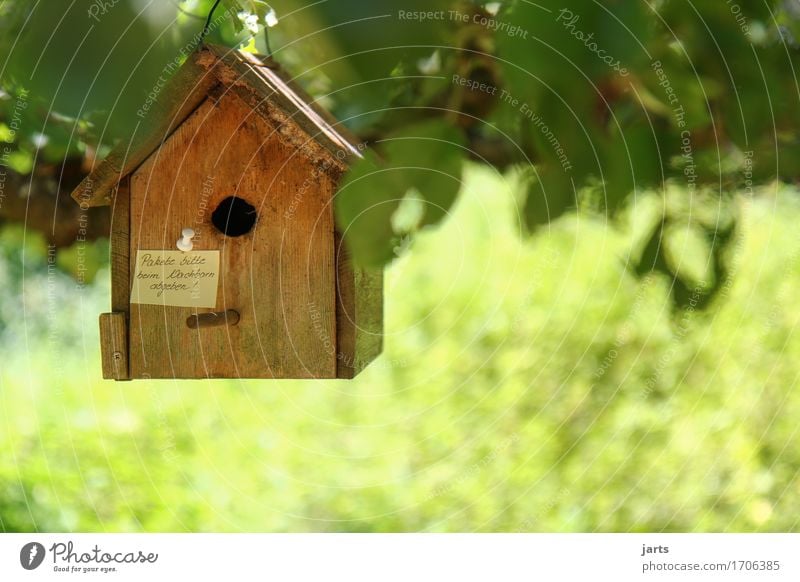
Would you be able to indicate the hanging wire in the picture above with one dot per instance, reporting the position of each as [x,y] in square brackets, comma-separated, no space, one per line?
[266,27]
[207,24]
[266,40]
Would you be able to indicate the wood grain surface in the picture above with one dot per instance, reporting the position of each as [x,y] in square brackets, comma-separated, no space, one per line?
[280,277]
[114,346]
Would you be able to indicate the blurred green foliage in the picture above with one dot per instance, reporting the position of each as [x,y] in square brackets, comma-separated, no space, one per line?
[528,384]
[621,96]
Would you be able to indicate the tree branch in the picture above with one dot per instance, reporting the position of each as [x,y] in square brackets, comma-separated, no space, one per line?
[41,202]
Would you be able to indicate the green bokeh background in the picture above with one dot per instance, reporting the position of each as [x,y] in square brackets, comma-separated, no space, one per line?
[527,384]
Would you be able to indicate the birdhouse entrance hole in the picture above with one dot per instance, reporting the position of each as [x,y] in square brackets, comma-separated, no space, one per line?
[234,217]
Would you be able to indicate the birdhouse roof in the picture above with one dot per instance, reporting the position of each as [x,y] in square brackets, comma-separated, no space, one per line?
[215,71]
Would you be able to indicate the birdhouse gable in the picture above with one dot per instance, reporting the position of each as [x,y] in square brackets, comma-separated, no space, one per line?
[213,72]
[265,86]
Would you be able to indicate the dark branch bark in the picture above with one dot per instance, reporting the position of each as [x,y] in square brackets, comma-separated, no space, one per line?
[41,202]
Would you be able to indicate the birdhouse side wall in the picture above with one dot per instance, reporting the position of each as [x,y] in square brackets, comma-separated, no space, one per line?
[359,313]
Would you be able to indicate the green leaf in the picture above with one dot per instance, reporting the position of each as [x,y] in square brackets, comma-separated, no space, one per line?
[688,255]
[631,160]
[425,158]
[429,155]
[7,134]
[234,8]
[692,284]
[82,260]
[20,161]
[550,195]
[365,202]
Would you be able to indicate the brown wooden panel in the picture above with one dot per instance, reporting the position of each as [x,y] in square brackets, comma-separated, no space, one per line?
[280,277]
[359,314]
[114,346]
[120,248]
[369,316]
[183,92]
[345,311]
[267,88]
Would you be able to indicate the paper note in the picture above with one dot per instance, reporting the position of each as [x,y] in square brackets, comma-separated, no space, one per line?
[176,278]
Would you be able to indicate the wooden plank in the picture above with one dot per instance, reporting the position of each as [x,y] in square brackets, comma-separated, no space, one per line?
[280,277]
[114,346]
[359,314]
[345,311]
[369,314]
[181,95]
[261,81]
[290,132]
[120,249]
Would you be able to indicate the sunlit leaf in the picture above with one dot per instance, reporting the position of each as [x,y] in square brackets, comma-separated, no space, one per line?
[429,156]
[365,203]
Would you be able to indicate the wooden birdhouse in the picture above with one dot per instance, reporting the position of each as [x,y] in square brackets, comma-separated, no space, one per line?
[225,257]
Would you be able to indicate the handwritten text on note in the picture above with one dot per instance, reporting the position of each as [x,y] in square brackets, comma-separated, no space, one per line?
[176,278]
